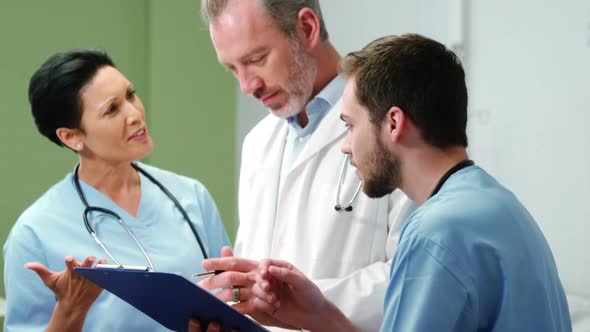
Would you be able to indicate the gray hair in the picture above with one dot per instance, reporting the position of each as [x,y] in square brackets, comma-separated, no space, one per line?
[283,12]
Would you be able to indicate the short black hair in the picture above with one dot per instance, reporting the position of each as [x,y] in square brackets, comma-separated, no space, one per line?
[420,76]
[54,89]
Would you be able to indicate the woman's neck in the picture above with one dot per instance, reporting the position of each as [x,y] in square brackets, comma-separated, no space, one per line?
[118,181]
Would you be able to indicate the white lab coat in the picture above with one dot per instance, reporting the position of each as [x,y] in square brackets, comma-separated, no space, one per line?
[347,254]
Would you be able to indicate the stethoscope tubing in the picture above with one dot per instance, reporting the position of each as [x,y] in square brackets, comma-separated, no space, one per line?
[348,206]
[88,209]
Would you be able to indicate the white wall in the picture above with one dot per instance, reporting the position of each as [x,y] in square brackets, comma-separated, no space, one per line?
[528,73]
[529,81]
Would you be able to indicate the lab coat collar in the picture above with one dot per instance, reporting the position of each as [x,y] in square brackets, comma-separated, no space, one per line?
[329,130]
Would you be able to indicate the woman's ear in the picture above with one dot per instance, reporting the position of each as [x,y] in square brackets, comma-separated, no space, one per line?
[72,138]
[308,28]
[395,122]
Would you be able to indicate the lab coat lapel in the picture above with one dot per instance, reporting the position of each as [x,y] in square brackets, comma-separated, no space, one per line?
[270,168]
[330,129]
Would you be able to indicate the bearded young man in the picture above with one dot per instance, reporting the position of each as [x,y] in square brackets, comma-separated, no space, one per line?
[471,257]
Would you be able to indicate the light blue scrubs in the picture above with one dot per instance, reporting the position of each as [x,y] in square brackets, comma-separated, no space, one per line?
[472,258]
[53,228]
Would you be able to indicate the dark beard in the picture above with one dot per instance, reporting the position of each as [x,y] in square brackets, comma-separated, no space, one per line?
[385,174]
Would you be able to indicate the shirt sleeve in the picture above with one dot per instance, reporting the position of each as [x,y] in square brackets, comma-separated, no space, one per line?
[29,304]
[216,235]
[427,291]
[360,294]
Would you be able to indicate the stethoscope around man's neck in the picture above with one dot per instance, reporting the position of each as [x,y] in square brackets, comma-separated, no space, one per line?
[348,206]
[340,206]
[88,209]
[459,166]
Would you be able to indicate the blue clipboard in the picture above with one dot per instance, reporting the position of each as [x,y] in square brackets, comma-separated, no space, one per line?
[170,299]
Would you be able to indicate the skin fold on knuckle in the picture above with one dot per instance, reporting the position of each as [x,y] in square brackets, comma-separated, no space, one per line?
[234,264]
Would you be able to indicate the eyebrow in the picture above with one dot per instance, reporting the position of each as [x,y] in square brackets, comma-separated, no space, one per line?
[255,51]
[108,101]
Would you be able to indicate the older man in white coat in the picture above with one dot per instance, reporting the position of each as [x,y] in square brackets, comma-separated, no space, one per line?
[279,52]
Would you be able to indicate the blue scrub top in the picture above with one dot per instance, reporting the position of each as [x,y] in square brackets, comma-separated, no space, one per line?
[472,258]
[53,228]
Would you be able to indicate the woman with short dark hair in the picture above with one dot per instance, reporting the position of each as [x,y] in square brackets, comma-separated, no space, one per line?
[81,101]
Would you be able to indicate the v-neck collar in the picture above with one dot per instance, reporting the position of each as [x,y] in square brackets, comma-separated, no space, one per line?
[97,198]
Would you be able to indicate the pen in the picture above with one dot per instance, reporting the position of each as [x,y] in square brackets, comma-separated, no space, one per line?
[215,272]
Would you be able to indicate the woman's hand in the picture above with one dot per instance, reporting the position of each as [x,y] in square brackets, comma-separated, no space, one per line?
[75,294]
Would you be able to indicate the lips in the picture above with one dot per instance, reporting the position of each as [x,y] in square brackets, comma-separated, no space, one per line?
[139,134]
[356,169]
[269,99]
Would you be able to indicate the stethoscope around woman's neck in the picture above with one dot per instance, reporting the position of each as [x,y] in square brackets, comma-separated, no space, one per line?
[88,209]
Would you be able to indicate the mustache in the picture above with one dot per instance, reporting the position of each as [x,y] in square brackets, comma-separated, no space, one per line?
[259,93]
[263,93]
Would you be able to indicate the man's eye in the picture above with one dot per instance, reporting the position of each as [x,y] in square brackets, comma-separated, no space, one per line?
[256,60]
[131,94]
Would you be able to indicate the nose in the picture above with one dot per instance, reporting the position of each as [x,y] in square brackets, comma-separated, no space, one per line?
[249,83]
[346,148]
[134,112]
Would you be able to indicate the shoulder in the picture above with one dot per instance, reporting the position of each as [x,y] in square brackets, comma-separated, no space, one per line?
[470,205]
[54,199]
[55,203]
[173,180]
[474,197]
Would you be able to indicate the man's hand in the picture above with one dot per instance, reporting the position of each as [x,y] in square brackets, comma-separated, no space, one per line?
[239,272]
[285,294]
[242,273]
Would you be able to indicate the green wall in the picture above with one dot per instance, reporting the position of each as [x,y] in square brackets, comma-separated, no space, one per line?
[159,45]
[193,103]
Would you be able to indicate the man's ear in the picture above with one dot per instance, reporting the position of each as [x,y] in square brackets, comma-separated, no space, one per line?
[395,123]
[308,28]
[72,138]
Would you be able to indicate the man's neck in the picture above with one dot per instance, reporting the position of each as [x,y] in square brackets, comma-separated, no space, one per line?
[422,171]
[327,60]
[302,118]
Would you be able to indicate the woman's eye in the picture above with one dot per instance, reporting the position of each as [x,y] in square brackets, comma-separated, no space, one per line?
[111,109]
[131,94]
